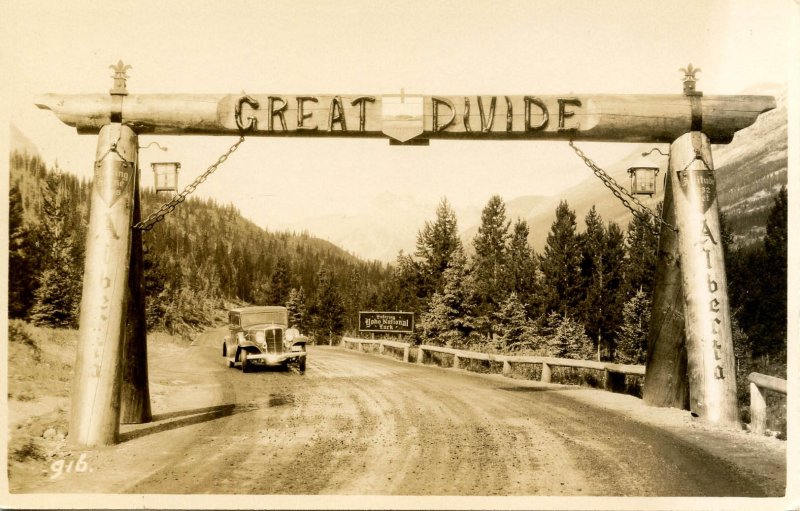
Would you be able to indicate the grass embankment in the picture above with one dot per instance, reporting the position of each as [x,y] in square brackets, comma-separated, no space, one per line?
[40,370]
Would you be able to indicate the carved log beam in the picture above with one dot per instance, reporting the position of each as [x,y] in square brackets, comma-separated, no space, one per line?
[620,118]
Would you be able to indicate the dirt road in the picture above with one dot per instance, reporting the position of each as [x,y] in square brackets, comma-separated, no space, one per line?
[364,424]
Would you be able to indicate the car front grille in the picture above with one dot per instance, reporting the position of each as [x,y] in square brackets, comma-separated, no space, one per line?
[274,340]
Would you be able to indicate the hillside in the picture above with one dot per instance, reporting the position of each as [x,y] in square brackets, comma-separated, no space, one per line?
[202,256]
[750,170]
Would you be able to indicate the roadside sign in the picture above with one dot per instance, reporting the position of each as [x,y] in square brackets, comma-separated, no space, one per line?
[392,322]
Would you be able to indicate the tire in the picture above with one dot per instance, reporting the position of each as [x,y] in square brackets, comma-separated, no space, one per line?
[245,363]
[301,364]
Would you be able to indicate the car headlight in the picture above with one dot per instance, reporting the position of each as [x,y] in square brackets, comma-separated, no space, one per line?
[260,337]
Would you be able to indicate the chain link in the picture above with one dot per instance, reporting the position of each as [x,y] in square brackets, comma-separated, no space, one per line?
[169,207]
[644,213]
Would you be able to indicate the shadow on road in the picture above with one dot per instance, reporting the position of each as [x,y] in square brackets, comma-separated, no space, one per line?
[541,389]
[161,422]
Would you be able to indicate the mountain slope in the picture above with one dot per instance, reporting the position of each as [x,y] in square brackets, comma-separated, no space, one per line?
[749,171]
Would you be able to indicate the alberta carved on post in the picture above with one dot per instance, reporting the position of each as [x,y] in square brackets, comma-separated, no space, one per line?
[691,293]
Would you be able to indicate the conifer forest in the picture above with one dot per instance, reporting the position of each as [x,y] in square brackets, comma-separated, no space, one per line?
[587,294]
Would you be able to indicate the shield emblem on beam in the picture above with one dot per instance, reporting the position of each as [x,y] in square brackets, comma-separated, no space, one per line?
[402,116]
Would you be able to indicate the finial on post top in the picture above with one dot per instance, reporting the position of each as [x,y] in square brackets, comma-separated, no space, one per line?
[690,80]
[120,77]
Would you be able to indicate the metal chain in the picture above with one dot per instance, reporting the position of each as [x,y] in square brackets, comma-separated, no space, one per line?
[169,207]
[644,213]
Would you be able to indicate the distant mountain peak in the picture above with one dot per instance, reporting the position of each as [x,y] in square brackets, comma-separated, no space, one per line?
[20,143]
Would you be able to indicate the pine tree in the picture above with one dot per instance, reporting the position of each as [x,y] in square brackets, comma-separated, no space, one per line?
[522,267]
[56,299]
[642,247]
[631,346]
[329,310]
[560,263]
[513,326]
[297,311]
[436,243]
[490,264]
[566,338]
[450,315]
[280,282]
[22,281]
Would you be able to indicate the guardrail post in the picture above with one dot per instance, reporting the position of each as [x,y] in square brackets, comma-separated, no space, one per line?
[381,348]
[546,374]
[405,352]
[613,382]
[455,361]
[758,409]
[506,368]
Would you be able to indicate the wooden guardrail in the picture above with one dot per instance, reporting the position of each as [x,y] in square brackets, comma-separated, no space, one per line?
[613,374]
[759,383]
[382,343]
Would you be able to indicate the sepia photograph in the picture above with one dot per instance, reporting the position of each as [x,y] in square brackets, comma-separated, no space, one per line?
[399,254]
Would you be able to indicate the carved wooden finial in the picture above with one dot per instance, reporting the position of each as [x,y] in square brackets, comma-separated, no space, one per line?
[120,78]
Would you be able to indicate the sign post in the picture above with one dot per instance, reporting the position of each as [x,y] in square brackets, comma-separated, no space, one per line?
[709,343]
[95,411]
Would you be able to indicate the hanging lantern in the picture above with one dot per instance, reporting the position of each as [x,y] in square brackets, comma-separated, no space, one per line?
[643,180]
[166,176]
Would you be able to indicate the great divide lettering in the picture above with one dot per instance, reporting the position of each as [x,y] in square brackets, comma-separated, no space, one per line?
[468,114]
[396,322]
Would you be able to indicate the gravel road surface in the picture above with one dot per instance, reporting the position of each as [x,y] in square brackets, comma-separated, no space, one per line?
[366,424]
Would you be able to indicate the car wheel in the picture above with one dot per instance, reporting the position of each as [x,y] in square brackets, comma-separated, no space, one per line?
[245,363]
[301,364]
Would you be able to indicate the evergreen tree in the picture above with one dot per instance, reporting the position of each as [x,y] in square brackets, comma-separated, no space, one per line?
[566,338]
[631,347]
[22,281]
[489,268]
[450,318]
[436,243]
[280,282]
[560,263]
[522,267]
[296,308]
[642,247]
[56,299]
[513,326]
[329,310]
[407,285]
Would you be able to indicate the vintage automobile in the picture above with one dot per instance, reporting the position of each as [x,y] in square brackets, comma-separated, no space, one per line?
[260,335]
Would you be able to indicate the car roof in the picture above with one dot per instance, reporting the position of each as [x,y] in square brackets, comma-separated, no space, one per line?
[260,308]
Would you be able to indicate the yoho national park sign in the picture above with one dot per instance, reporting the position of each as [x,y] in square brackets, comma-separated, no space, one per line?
[392,322]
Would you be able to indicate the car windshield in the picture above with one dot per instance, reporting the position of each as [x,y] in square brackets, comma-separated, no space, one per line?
[254,318]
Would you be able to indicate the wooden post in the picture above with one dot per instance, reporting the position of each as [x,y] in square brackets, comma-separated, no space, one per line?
[420,355]
[546,373]
[758,410]
[135,399]
[709,343]
[456,361]
[406,349]
[665,377]
[95,409]
[506,368]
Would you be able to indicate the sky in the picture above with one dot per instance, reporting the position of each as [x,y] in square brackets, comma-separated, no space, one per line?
[372,47]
